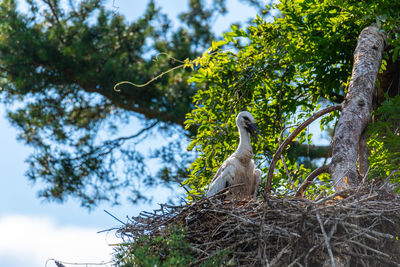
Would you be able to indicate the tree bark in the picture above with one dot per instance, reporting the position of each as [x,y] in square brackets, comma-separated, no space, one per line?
[363,155]
[356,111]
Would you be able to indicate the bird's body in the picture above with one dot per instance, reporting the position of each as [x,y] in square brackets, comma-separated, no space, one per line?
[238,171]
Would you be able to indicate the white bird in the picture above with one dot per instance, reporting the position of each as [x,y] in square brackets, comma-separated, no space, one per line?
[239,168]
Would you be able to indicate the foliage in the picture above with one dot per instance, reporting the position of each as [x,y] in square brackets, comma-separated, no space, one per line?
[158,251]
[170,249]
[384,141]
[58,67]
[58,72]
[285,70]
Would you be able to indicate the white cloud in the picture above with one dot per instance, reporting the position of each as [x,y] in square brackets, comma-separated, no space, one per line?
[31,241]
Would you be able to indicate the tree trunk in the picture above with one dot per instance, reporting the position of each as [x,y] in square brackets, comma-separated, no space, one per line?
[357,108]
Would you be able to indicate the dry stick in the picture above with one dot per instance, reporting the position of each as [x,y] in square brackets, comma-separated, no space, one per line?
[365,176]
[306,256]
[201,222]
[308,180]
[225,190]
[387,180]
[325,199]
[328,245]
[282,252]
[370,231]
[369,248]
[261,238]
[216,252]
[61,263]
[289,139]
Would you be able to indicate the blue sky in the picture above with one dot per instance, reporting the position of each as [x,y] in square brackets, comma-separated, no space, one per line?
[33,231]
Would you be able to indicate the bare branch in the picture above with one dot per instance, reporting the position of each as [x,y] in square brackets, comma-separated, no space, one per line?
[370,249]
[272,232]
[308,180]
[326,238]
[283,251]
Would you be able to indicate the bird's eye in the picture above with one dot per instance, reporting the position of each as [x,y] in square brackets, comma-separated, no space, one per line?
[246,118]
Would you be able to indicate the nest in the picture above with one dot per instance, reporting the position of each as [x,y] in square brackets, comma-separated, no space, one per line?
[360,227]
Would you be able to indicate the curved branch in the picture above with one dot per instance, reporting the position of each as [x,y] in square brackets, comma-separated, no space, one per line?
[289,139]
[311,176]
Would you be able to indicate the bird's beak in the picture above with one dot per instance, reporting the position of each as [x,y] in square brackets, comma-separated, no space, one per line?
[253,130]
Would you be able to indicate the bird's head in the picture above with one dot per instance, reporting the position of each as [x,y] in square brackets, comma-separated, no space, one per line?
[245,120]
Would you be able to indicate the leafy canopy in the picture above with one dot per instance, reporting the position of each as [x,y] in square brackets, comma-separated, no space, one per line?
[280,71]
[58,68]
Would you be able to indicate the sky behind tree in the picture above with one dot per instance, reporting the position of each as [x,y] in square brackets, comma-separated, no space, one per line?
[33,231]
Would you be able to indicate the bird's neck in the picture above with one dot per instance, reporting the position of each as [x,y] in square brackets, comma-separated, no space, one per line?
[244,149]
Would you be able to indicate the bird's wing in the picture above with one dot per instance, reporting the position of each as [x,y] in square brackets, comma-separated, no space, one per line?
[222,179]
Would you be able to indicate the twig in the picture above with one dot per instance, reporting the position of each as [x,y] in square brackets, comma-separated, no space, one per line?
[306,256]
[282,252]
[326,238]
[114,217]
[366,230]
[263,233]
[322,200]
[61,263]
[311,176]
[364,179]
[369,248]
[53,11]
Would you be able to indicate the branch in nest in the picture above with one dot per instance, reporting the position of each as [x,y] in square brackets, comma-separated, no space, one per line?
[310,178]
[298,130]
[282,231]
[326,239]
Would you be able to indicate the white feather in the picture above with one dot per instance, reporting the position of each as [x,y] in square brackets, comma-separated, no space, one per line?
[239,168]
